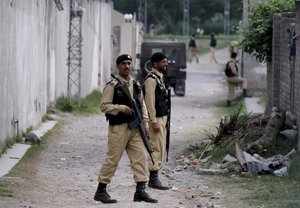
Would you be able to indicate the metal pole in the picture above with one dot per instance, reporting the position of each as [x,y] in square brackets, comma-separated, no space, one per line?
[226,21]
[186,15]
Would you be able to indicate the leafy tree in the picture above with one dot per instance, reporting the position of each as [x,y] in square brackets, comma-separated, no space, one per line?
[204,14]
[259,32]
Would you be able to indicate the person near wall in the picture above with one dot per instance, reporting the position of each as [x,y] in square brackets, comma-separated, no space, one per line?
[213,45]
[193,49]
[119,113]
[156,96]
[234,79]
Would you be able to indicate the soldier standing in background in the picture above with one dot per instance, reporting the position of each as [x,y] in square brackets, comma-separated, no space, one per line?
[118,110]
[193,49]
[213,45]
[157,106]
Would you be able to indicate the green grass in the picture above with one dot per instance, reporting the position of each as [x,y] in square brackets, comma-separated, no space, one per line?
[88,105]
[5,190]
[227,111]
[256,191]
[32,153]
[266,190]
[46,117]
[10,142]
[263,100]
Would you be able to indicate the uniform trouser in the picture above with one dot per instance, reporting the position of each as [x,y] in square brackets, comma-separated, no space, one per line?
[121,138]
[158,144]
[232,82]
[213,54]
[192,53]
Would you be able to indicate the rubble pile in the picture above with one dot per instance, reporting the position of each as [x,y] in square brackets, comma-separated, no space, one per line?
[249,154]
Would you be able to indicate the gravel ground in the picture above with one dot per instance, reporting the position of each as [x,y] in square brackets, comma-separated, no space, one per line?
[65,173]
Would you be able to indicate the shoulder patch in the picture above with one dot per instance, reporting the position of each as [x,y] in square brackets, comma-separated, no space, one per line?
[112,82]
[151,75]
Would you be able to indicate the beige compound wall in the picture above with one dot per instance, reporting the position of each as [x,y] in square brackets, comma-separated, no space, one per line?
[34,52]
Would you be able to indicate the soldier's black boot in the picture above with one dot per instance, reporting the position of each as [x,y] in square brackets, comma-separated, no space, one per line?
[246,94]
[102,195]
[154,181]
[141,195]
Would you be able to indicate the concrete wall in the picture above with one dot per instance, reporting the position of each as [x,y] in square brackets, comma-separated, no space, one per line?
[106,47]
[33,57]
[24,64]
[131,45]
[127,38]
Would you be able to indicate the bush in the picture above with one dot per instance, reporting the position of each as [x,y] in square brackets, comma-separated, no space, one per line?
[258,33]
[90,104]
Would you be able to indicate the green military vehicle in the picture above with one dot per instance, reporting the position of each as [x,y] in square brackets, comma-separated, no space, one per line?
[175,75]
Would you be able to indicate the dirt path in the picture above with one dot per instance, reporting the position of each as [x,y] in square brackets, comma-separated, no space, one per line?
[65,173]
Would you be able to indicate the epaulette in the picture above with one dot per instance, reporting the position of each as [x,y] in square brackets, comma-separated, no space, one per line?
[112,82]
[152,75]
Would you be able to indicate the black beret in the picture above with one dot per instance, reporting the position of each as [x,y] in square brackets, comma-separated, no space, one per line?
[157,57]
[123,57]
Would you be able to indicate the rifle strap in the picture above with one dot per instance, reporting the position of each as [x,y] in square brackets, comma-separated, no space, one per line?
[157,78]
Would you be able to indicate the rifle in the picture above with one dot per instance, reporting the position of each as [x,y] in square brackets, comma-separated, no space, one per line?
[137,122]
[168,125]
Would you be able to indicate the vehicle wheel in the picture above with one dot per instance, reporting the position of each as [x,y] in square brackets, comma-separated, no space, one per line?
[179,90]
[181,94]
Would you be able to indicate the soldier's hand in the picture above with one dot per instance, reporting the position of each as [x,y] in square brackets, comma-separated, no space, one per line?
[156,127]
[128,111]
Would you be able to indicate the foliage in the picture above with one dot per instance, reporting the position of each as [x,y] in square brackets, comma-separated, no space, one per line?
[90,104]
[258,33]
[168,14]
[4,189]
[263,100]
[46,117]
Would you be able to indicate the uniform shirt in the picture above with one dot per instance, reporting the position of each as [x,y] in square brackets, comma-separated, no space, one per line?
[192,43]
[213,42]
[107,106]
[150,86]
[232,66]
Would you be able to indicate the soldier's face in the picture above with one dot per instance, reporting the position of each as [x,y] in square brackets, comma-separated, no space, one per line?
[162,65]
[124,68]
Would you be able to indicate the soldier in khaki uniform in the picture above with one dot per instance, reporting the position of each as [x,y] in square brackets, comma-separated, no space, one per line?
[156,102]
[118,110]
[193,49]
[234,79]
